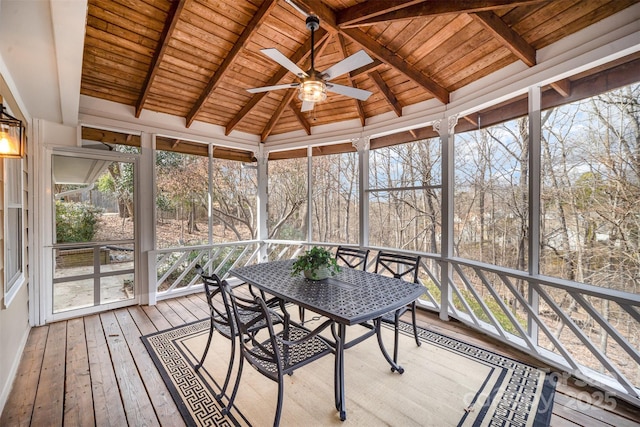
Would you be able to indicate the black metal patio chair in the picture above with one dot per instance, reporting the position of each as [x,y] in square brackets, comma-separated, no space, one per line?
[222,320]
[405,267]
[278,354]
[352,257]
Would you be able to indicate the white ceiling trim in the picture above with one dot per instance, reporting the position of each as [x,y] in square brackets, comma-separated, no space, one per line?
[69,22]
[104,114]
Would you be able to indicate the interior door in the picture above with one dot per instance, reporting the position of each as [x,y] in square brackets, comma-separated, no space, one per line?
[93,251]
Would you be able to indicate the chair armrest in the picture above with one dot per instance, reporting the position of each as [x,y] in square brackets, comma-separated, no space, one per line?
[310,334]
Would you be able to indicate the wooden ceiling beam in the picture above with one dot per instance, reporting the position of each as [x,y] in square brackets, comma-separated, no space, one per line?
[370,13]
[354,15]
[110,137]
[172,19]
[365,69]
[389,96]
[239,45]
[403,137]
[359,107]
[298,57]
[473,119]
[303,121]
[507,36]
[391,59]
[563,87]
[328,17]
[277,114]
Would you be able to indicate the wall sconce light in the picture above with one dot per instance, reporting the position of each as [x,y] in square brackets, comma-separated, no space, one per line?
[11,135]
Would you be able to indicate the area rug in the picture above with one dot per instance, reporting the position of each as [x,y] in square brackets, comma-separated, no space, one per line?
[446,382]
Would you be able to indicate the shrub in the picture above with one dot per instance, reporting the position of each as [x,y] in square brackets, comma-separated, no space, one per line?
[75,222]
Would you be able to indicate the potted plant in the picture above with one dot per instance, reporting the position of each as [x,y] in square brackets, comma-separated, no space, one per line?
[316,264]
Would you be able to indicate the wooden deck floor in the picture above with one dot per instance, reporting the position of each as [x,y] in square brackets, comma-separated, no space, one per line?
[96,371]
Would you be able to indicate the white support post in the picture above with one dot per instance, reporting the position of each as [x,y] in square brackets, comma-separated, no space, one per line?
[145,219]
[37,199]
[361,144]
[445,127]
[535,170]
[210,195]
[309,194]
[152,276]
[262,157]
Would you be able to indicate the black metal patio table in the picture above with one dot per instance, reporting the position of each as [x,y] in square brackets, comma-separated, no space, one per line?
[349,298]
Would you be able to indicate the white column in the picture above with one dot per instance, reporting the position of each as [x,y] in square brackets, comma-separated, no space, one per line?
[38,200]
[362,145]
[309,194]
[445,127]
[535,135]
[145,218]
[262,157]
[210,196]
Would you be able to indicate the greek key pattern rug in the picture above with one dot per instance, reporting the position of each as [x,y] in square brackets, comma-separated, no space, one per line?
[456,384]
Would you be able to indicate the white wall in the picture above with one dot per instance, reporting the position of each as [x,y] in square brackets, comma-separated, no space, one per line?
[14,330]
[14,320]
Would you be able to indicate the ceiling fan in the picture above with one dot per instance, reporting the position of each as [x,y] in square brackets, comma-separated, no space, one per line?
[313,85]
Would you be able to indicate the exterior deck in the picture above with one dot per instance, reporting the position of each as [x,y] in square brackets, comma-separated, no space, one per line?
[95,370]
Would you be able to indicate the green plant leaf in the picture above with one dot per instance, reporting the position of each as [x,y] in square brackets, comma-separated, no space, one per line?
[316,257]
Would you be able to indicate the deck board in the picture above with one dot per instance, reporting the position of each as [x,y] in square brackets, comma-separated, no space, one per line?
[48,406]
[110,378]
[77,396]
[181,311]
[162,402]
[196,306]
[156,317]
[107,404]
[137,403]
[169,313]
[19,407]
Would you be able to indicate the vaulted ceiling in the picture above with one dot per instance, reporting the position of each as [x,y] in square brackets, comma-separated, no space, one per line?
[195,58]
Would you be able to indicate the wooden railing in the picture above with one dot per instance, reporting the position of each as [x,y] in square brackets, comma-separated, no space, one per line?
[589,332]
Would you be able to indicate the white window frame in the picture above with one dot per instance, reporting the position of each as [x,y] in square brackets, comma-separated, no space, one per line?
[14,242]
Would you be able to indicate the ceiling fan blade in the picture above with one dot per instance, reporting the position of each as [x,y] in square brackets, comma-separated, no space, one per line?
[277,56]
[350,63]
[353,92]
[306,106]
[276,87]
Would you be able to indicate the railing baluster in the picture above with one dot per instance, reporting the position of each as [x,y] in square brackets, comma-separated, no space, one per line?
[570,361]
[505,309]
[592,348]
[480,301]
[607,326]
[463,300]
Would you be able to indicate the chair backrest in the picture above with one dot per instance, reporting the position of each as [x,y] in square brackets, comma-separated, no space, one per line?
[404,267]
[352,257]
[252,345]
[220,311]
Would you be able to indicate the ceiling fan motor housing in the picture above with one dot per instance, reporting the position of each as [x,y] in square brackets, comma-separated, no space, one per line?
[313,22]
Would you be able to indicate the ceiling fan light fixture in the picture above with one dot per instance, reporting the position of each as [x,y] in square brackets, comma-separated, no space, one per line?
[312,91]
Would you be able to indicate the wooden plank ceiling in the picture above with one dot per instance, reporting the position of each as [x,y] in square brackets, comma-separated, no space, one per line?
[196,58]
